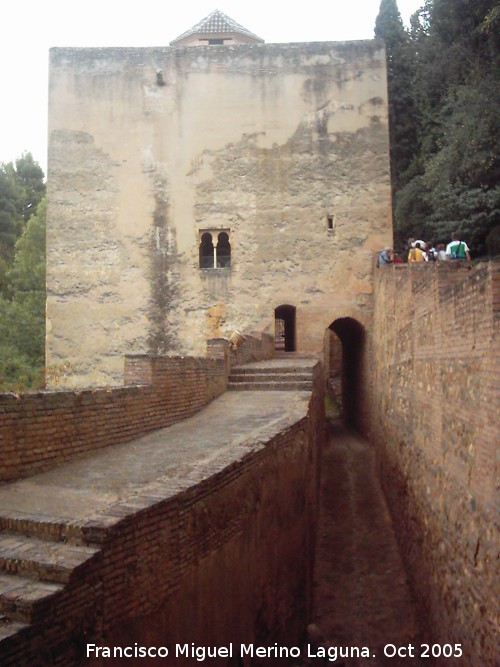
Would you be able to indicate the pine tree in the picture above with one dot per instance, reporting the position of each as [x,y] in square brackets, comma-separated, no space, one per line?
[400,68]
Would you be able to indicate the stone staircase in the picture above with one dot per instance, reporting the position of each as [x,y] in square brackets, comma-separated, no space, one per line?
[275,374]
[34,571]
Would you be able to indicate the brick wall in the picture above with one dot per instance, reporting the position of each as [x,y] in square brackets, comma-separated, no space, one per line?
[435,423]
[41,430]
[256,347]
[221,554]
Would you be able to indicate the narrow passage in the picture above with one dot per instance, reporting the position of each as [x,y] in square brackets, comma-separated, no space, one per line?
[361,594]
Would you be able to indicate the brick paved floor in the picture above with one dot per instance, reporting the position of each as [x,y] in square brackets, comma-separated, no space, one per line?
[362,598]
[79,490]
[361,593]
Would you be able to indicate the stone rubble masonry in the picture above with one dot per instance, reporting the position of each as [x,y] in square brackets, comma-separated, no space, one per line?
[282,146]
[436,426]
[229,539]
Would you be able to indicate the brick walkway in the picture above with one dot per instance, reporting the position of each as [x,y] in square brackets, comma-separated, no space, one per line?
[79,490]
[45,518]
[361,593]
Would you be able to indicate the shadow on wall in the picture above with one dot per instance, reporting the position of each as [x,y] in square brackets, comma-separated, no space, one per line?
[346,341]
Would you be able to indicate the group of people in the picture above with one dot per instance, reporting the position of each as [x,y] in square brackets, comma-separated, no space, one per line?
[420,251]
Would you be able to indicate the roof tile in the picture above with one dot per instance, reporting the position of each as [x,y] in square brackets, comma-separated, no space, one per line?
[216,23]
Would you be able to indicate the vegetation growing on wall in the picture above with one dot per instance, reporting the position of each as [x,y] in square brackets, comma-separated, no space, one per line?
[22,274]
[444,102]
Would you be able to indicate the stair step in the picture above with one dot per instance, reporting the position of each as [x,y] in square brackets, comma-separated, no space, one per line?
[40,559]
[32,525]
[286,370]
[268,377]
[24,599]
[270,386]
[8,628]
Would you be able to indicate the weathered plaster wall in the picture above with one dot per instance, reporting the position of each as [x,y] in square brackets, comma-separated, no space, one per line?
[149,146]
[436,427]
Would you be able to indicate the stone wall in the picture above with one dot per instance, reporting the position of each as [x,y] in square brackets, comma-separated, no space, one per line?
[436,428]
[41,430]
[284,147]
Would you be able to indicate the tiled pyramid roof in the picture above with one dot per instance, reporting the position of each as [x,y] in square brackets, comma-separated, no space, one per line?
[217,23]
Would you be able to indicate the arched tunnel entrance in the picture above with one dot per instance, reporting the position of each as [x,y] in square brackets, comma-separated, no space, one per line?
[345,343]
[284,328]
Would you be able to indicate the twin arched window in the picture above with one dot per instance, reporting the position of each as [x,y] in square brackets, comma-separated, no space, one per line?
[215,250]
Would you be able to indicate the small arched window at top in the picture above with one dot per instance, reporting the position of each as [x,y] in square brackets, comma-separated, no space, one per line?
[215,249]
[207,251]
[223,257]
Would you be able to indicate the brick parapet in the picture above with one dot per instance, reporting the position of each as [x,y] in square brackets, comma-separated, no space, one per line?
[436,428]
[255,347]
[172,555]
[41,430]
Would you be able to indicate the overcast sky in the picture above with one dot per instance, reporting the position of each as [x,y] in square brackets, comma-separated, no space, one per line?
[29,28]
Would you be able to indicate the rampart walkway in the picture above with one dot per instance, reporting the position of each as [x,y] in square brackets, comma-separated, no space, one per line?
[362,597]
[80,490]
[52,525]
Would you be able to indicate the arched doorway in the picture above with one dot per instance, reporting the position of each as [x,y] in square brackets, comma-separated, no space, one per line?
[345,356]
[284,328]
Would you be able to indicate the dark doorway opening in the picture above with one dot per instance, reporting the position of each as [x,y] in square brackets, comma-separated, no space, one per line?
[284,328]
[351,335]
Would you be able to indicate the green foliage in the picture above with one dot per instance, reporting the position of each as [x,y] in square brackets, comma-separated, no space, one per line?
[412,211]
[22,329]
[28,269]
[10,220]
[400,66]
[472,211]
[21,189]
[30,177]
[469,124]
[16,371]
[493,241]
[450,182]
[22,309]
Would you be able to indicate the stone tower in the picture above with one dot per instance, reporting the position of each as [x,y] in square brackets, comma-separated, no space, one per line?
[197,190]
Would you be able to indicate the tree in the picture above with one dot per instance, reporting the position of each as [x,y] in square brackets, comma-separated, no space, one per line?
[30,177]
[21,189]
[400,73]
[22,310]
[28,269]
[10,221]
[452,179]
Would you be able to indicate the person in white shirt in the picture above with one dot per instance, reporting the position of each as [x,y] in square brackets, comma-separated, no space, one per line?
[442,252]
[457,249]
